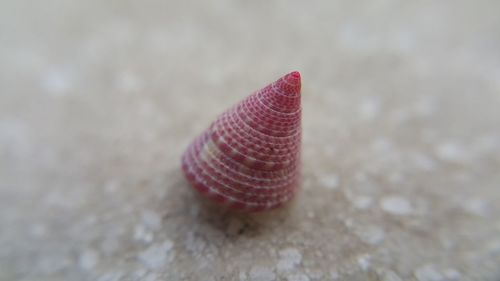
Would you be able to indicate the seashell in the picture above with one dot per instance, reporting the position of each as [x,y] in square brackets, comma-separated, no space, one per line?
[249,158]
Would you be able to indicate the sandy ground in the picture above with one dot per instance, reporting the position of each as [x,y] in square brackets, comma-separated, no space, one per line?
[401,153]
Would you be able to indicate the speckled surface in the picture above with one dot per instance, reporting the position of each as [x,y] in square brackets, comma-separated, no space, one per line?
[401,153]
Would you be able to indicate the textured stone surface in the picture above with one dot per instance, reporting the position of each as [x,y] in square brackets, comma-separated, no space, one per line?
[98,100]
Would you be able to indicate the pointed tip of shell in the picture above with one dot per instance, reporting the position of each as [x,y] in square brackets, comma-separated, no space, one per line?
[290,84]
[293,77]
[285,95]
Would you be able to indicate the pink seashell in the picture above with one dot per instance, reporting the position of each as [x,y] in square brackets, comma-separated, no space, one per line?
[249,158]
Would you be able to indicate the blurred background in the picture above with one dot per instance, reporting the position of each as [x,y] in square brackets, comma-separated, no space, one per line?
[401,120]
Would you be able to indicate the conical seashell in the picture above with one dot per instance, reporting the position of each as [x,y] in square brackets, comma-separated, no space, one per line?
[249,158]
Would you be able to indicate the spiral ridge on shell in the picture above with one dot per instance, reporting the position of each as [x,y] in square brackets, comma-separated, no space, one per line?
[249,157]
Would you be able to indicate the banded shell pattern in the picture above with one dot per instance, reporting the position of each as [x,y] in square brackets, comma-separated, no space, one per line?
[249,158]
